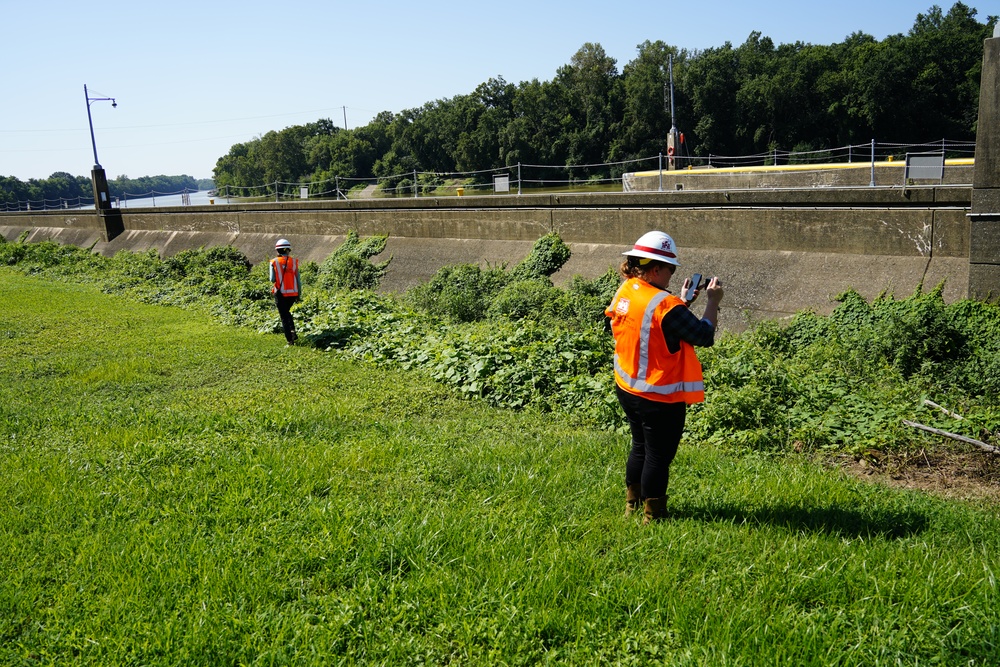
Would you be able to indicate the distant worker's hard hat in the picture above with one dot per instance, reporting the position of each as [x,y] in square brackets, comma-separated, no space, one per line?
[282,244]
[655,245]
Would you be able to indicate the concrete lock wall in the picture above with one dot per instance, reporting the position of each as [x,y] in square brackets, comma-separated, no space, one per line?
[857,174]
[776,251]
[984,261]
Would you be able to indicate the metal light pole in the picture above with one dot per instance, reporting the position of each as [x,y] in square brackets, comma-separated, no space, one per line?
[90,121]
[102,194]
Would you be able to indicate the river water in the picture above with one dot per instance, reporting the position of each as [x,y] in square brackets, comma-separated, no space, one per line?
[200,198]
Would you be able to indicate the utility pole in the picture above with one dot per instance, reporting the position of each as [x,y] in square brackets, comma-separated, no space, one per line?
[345,117]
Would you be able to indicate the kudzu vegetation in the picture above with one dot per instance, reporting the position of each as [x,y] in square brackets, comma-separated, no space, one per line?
[507,335]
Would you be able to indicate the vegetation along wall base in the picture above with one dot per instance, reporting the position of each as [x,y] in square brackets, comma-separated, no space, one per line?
[776,252]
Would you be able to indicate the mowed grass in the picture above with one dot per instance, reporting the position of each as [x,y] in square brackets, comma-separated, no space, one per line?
[173,492]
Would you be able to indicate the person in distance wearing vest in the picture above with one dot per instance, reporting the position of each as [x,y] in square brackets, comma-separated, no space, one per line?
[285,286]
[657,373]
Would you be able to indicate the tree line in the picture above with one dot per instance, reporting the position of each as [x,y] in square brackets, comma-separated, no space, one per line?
[743,100]
[62,185]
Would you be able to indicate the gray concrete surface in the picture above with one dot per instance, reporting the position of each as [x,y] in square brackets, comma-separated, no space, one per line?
[777,252]
[859,174]
[984,259]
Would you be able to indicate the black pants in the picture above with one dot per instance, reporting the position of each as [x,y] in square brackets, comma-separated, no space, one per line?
[656,432]
[284,304]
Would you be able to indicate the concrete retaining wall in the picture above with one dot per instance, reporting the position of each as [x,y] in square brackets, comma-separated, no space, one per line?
[984,261]
[859,174]
[777,252]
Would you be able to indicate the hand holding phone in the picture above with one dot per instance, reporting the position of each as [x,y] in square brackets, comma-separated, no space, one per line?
[689,293]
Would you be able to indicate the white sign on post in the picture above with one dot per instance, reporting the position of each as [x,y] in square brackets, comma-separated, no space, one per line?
[926,166]
[501,183]
[303,193]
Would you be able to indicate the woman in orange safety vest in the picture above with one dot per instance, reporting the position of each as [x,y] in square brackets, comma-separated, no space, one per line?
[657,373]
[285,286]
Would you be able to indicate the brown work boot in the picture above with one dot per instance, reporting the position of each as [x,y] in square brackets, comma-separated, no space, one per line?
[633,501]
[655,509]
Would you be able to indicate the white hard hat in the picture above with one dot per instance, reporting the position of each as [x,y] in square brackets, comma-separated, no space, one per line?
[282,244]
[655,245]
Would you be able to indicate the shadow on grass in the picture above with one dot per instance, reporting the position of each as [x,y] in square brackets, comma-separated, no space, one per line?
[833,520]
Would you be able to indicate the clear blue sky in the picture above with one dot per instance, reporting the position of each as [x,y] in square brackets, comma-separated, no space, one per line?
[193,78]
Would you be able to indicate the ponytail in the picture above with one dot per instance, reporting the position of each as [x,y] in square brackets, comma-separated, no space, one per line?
[632,267]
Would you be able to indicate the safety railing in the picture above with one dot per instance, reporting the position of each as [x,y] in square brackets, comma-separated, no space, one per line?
[516,178]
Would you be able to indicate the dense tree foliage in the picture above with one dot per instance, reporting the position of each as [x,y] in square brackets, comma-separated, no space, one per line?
[741,100]
[159,184]
[61,186]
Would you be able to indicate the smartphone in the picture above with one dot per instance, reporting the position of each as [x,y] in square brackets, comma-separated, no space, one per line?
[695,281]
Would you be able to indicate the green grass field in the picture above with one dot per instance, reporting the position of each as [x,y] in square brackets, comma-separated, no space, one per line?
[179,492]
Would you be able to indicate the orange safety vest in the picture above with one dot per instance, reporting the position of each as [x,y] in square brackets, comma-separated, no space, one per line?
[643,364]
[286,276]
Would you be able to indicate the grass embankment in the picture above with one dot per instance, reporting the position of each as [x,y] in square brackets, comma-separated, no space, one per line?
[180,492]
[839,385]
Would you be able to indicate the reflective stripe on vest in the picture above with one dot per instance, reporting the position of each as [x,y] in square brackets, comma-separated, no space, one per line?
[679,373]
[286,276]
[647,326]
[665,390]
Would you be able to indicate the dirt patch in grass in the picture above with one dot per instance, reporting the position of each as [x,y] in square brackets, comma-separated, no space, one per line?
[952,474]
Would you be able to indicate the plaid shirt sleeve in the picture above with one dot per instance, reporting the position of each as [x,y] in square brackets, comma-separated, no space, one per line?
[681,324]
